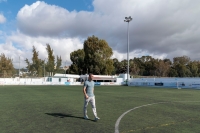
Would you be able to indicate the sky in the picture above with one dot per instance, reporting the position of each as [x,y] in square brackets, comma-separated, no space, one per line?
[159,28]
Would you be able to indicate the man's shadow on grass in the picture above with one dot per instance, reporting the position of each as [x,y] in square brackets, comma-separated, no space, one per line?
[62,115]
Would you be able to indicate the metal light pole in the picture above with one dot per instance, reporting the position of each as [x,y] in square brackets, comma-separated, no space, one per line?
[65,68]
[128,19]
[19,66]
[44,67]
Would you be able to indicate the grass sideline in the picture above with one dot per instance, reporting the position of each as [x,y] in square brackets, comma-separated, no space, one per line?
[58,109]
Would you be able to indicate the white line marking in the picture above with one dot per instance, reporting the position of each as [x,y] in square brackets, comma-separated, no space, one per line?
[119,119]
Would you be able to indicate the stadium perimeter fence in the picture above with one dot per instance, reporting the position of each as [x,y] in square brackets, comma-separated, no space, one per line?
[166,82]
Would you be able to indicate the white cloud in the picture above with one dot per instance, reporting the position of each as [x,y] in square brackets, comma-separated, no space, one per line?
[2,18]
[136,53]
[160,28]
[23,47]
[11,52]
[43,19]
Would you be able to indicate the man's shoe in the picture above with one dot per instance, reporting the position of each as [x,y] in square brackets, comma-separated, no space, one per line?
[97,118]
[86,118]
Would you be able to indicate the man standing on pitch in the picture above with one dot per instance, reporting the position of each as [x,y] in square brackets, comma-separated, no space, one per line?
[88,90]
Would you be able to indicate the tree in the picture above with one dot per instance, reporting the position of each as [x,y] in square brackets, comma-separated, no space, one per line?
[198,66]
[116,66]
[134,69]
[162,68]
[97,56]
[180,63]
[182,70]
[58,64]
[193,67]
[140,65]
[168,61]
[122,68]
[77,58]
[35,68]
[50,66]
[184,60]
[148,65]
[6,67]
[172,72]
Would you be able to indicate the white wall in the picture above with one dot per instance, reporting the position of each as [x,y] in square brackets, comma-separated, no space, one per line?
[43,81]
[167,82]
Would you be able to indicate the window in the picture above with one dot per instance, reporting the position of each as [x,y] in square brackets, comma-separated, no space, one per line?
[158,84]
[49,79]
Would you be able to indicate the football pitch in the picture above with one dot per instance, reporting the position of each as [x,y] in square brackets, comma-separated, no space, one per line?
[124,109]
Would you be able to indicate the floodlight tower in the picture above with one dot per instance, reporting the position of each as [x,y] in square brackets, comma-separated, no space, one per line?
[128,19]
[44,67]
[19,66]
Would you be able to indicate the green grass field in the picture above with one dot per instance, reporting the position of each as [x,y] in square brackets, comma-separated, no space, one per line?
[58,109]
